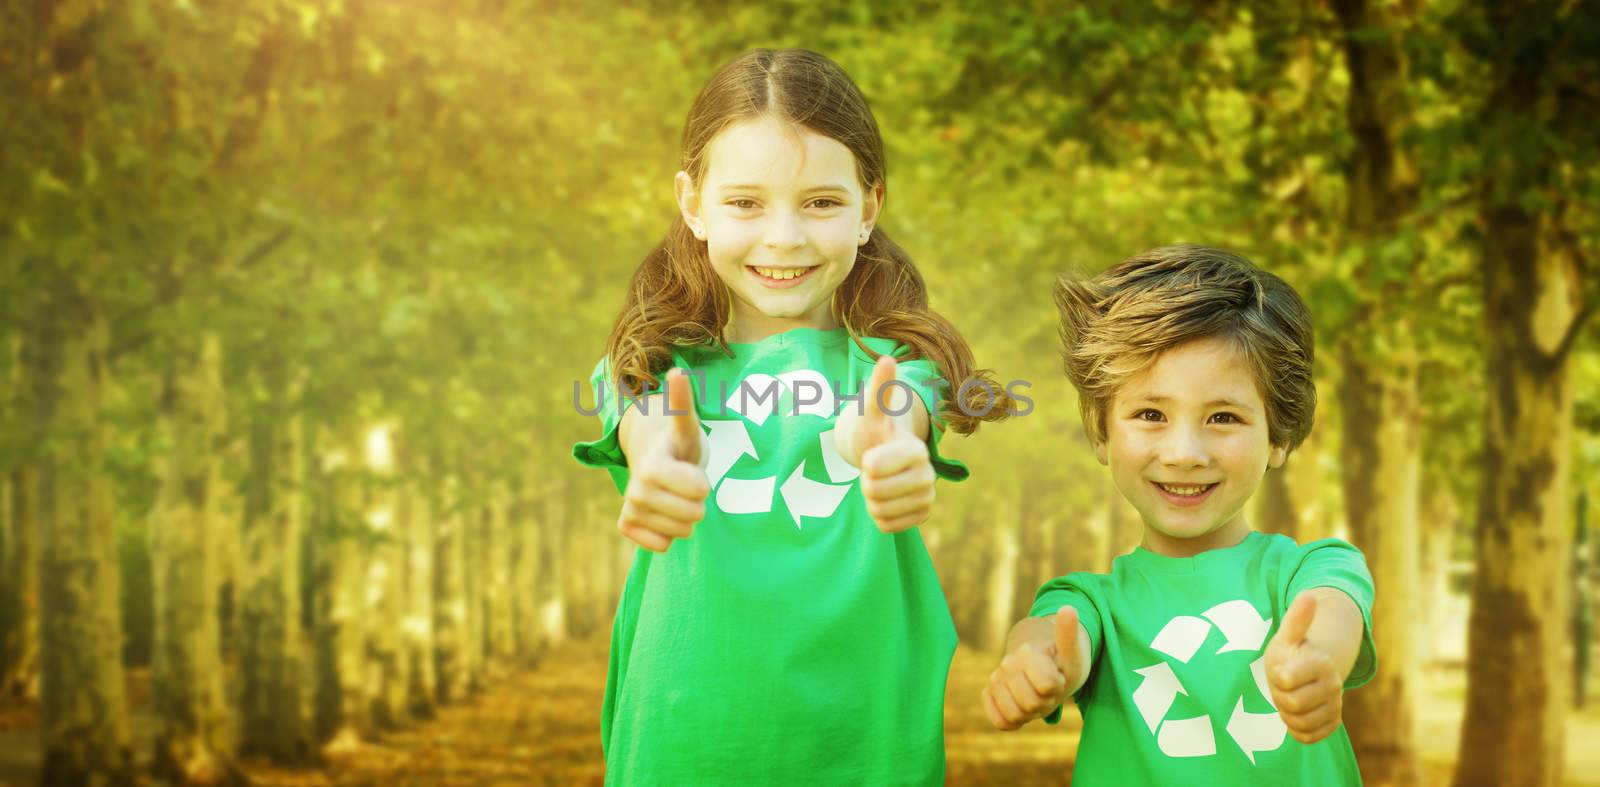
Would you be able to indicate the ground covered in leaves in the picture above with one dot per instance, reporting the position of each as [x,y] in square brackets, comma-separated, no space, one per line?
[541,727]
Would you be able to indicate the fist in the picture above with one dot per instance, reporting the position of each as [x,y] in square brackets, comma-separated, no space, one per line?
[1033,681]
[896,474]
[1306,686]
[667,489]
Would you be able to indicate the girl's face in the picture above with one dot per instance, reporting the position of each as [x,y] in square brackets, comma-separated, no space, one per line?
[1187,444]
[782,211]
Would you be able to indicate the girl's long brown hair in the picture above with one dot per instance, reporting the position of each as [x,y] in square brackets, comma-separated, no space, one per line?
[676,299]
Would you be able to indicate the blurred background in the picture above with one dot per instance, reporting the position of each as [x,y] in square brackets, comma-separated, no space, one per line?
[295,294]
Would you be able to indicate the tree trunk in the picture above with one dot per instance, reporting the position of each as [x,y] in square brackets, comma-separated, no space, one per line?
[1517,676]
[83,707]
[339,603]
[273,677]
[417,517]
[499,551]
[1378,391]
[526,527]
[19,653]
[385,586]
[1381,466]
[449,595]
[193,742]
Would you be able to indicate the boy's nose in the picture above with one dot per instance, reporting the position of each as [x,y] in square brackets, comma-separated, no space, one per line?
[784,232]
[1183,448]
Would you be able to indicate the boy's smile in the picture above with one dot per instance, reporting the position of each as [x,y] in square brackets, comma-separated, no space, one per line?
[1187,444]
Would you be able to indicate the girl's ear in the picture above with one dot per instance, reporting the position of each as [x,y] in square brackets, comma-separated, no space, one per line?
[1100,452]
[689,204]
[869,212]
[1277,456]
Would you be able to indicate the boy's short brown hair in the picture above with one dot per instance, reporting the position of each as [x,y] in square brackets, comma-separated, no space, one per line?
[1115,324]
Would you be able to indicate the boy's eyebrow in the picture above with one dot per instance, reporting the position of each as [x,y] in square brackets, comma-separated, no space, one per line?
[1213,403]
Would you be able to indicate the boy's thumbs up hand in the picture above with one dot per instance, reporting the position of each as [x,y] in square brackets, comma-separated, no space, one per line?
[896,473]
[1033,680]
[1306,686]
[667,490]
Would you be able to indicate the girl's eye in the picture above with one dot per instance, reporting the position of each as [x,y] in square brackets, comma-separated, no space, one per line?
[1225,418]
[743,204]
[1147,414]
[825,203]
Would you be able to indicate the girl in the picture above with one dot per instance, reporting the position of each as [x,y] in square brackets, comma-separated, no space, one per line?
[783,623]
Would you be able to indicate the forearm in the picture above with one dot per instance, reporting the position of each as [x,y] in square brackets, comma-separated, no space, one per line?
[643,424]
[1337,629]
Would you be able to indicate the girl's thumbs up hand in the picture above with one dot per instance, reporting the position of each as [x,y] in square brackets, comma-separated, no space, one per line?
[667,489]
[1306,686]
[896,473]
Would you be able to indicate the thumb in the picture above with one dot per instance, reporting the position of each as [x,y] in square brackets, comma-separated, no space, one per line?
[1067,641]
[1297,621]
[685,428]
[876,422]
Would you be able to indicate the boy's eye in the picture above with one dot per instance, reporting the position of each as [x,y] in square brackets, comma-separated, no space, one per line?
[1148,414]
[1225,418]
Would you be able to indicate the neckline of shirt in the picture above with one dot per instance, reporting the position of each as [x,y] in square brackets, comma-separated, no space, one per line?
[1144,558]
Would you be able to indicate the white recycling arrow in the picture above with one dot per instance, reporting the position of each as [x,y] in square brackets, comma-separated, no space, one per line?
[1258,670]
[741,496]
[806,497]
[1255,731]
[1238,620]
[1187,737]
[813,385]
[729,440]
[839,471]
[1181,637]
[756,397]
[1156,692]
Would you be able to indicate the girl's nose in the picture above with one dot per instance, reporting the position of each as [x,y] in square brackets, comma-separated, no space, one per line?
[784,231]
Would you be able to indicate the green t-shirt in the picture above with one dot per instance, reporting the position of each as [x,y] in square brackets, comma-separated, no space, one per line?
[1176,691]
[788,640]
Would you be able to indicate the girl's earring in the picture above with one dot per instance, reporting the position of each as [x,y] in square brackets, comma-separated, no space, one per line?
[699,233]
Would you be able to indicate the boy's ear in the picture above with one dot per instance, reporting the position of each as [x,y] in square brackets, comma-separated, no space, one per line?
[689,204]
[1277,456]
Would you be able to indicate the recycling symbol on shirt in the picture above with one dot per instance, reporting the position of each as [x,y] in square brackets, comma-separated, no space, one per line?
[1244,630]
[730,440]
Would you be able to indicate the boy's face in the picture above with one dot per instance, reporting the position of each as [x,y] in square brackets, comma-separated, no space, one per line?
[1187,445]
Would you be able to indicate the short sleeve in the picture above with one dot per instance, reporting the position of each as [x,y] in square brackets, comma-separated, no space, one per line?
[924,379]
[606,452]
[1334,563]
[1070,591]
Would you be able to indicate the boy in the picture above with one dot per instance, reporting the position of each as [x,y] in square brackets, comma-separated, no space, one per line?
[1193,370]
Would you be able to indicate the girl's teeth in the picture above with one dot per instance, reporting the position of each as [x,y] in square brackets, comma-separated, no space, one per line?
[775,273]
[1185,491]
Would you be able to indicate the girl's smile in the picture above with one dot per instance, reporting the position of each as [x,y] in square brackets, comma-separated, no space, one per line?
[780,278]
[782,211]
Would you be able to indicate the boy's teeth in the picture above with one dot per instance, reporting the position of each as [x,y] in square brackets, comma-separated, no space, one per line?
[1186,491]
